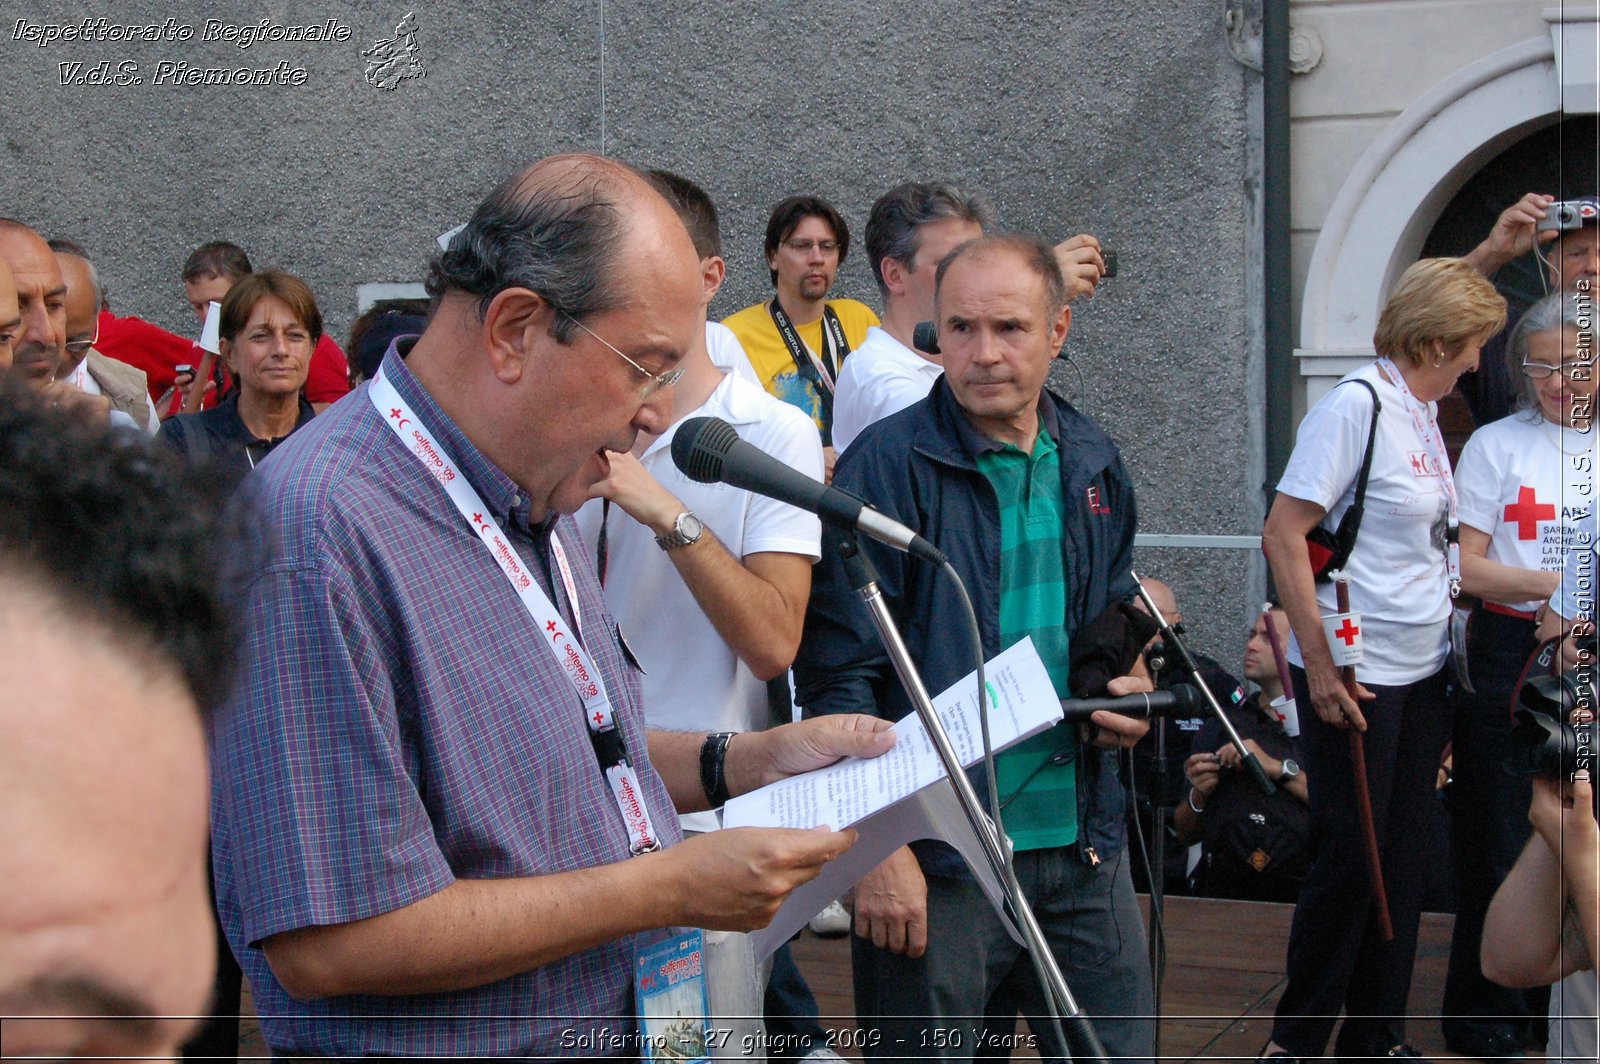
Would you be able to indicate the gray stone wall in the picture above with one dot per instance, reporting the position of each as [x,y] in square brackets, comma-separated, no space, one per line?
[1124,120]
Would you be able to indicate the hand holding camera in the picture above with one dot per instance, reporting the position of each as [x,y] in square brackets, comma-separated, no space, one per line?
[1562,813]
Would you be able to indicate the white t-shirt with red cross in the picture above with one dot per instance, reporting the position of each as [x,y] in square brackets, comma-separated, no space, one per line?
[1397,573]
[1526,483]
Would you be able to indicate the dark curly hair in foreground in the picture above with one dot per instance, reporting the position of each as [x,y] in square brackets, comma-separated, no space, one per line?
[120,538]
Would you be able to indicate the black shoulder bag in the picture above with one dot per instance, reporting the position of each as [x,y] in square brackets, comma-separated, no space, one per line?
[1329,551]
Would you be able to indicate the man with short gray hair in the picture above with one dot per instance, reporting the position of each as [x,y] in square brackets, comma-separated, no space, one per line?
[911,228]
[83,366]
[1032,504]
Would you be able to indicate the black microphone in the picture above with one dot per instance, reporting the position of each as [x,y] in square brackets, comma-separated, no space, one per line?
[707,449]
[1179,700]
[925,337]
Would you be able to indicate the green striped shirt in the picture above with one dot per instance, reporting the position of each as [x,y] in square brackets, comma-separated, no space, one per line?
[1042,798]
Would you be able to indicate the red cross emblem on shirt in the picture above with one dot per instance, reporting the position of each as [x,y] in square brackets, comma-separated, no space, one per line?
[1527,512]
[1347,632]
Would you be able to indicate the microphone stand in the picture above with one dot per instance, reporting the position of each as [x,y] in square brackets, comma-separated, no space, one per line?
[1083,1043]
[1170,637]
[1186,665]
[1156,853]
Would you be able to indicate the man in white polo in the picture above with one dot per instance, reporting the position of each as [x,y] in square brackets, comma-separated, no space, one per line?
[709,584]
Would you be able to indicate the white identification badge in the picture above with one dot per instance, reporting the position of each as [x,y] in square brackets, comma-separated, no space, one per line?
[1344,637]
[670,993]
[1288,714]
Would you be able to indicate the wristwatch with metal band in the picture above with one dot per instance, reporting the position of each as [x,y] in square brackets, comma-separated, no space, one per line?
[1289,771]
[686,529]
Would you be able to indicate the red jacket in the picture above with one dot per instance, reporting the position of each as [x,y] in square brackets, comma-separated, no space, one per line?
[158,352]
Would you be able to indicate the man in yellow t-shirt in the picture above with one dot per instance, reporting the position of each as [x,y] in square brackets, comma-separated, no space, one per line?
[798,340]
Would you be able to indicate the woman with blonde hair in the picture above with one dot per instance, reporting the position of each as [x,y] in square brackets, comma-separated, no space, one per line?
[1403,572]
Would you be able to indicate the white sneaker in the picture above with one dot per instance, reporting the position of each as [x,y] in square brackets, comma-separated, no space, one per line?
[831,922]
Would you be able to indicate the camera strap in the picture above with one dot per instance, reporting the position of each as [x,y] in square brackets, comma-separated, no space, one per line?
[605,734]
[820,371]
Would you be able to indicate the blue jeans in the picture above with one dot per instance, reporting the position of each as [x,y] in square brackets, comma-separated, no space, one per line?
[961,999]
[791,1010]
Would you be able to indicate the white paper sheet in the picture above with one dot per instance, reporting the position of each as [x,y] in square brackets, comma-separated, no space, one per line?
[1022,703]
[932,813]
[870,794]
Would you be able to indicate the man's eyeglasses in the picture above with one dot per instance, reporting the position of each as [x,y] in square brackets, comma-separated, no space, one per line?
[803,247]
[1572,371]
[654,382]
[78,347]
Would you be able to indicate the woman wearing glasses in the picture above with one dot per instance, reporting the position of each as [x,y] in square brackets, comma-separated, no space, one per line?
[1524,482]
[270,324]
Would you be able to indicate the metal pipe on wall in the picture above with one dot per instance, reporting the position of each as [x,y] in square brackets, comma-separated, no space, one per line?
[1280,366]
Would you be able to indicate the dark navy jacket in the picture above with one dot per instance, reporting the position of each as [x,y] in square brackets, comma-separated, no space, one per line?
[918,466]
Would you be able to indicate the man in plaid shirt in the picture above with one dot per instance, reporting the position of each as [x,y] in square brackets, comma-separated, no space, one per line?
[418,849]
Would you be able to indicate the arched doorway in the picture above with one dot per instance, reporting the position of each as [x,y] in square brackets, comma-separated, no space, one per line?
[1389,207]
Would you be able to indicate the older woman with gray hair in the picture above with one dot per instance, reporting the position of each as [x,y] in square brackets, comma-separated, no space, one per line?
[1524,483]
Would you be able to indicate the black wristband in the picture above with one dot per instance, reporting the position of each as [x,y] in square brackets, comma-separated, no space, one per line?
[712,754]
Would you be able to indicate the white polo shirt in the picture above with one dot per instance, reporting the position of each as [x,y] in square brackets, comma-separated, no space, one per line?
[693,681]
[880,377]
[727,353]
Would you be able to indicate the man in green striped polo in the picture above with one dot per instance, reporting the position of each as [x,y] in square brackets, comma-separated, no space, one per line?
[1031,502]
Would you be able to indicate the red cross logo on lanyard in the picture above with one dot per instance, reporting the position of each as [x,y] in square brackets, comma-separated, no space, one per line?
[1347,632]
[1527,512]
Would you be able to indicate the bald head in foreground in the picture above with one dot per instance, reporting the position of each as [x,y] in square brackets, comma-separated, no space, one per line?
[112,639]
[10,315]
[436,790]
[38,329]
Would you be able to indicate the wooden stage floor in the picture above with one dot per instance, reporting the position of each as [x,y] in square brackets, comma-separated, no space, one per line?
[1224,974]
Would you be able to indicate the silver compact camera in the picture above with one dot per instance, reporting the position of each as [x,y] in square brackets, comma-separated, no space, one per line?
[1568,214]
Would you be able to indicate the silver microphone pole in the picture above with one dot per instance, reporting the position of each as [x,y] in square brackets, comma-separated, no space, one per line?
[1082,1041]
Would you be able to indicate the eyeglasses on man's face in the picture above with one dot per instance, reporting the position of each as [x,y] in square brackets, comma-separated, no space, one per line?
[653,382]
[79,346]
[803,247]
